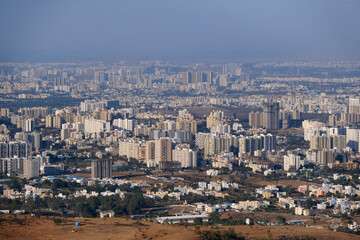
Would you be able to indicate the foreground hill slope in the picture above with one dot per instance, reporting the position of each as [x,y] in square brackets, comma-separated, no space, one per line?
[25,227]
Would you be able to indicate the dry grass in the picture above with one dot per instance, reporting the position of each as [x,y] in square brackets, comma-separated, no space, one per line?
[122,228]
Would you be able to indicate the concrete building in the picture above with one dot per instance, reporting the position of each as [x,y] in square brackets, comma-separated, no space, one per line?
[326,157]
[91,105]
[354,105]
[184,218]
[150,151]
[163,152]
[352,138]
[185,156]
[127,124]
[29,125]
[249,144]
[12,149]
[101,169]
[96,126]
[215,118]
[132,149]
[216,144]
[220,128]
[255,119]
[271,115]
[293,161]
[328,142]
[31,167]
[12,165]
[186,122]
[200,139]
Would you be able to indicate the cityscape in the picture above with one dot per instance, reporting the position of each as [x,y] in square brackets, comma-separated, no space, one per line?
[172,148]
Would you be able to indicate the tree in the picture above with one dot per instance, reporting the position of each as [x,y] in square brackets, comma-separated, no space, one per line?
[57,221]
[198,221]
[215,218]
[29,205]
[310,203]
[135,201]
[16,185]
[280,219]
[154,189]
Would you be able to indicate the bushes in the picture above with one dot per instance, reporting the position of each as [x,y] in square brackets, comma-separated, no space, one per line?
[230,234]
[57,221]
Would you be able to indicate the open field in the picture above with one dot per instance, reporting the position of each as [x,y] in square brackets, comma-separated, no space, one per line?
[257,180]
[25,227]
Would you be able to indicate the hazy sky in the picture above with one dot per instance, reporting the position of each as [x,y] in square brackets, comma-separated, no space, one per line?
[52,30]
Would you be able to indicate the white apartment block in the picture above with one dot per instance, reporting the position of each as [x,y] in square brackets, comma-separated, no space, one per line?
[186,156]
[221,128]
[352,138]
[96,126]
[130,149]
[127,124]
[91,105]
[293,161]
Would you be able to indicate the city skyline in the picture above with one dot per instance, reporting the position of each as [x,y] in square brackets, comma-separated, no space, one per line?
[225,119]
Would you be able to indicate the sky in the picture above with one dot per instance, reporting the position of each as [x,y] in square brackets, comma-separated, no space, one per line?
[50,30]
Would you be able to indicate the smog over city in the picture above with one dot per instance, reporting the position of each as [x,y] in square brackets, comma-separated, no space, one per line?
[184,119]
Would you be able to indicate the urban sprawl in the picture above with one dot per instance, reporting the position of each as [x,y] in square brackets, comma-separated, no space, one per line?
[268,143]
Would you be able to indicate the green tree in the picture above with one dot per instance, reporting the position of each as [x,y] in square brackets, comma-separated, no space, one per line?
[280,220]
[215,218]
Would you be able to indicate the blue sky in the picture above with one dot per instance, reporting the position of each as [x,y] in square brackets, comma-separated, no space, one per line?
[52,30]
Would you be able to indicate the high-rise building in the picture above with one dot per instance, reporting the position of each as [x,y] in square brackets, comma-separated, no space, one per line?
[198,77]
[256,119]
[328,142]
[91,105]
[216,144]
[12,165]
[150,151]
[26,125]
[186,122]
[210,77]
[105,115]
[96,126]
[33,140]
[221,128]
[187,77]
[354,105]
[332,120]
[271,115]
[5,112]
[127,124]
[352,138]
[163,150]
[346,118]
[12,149]
[131,149]
[215,118]
[249,144]
[325,157]
[31,167]
[185,156]
[101,169]
[49,121]
[293,161]
[57,121]
[200,139]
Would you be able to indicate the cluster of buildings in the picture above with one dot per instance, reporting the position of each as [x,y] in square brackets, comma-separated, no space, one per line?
[123,114]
